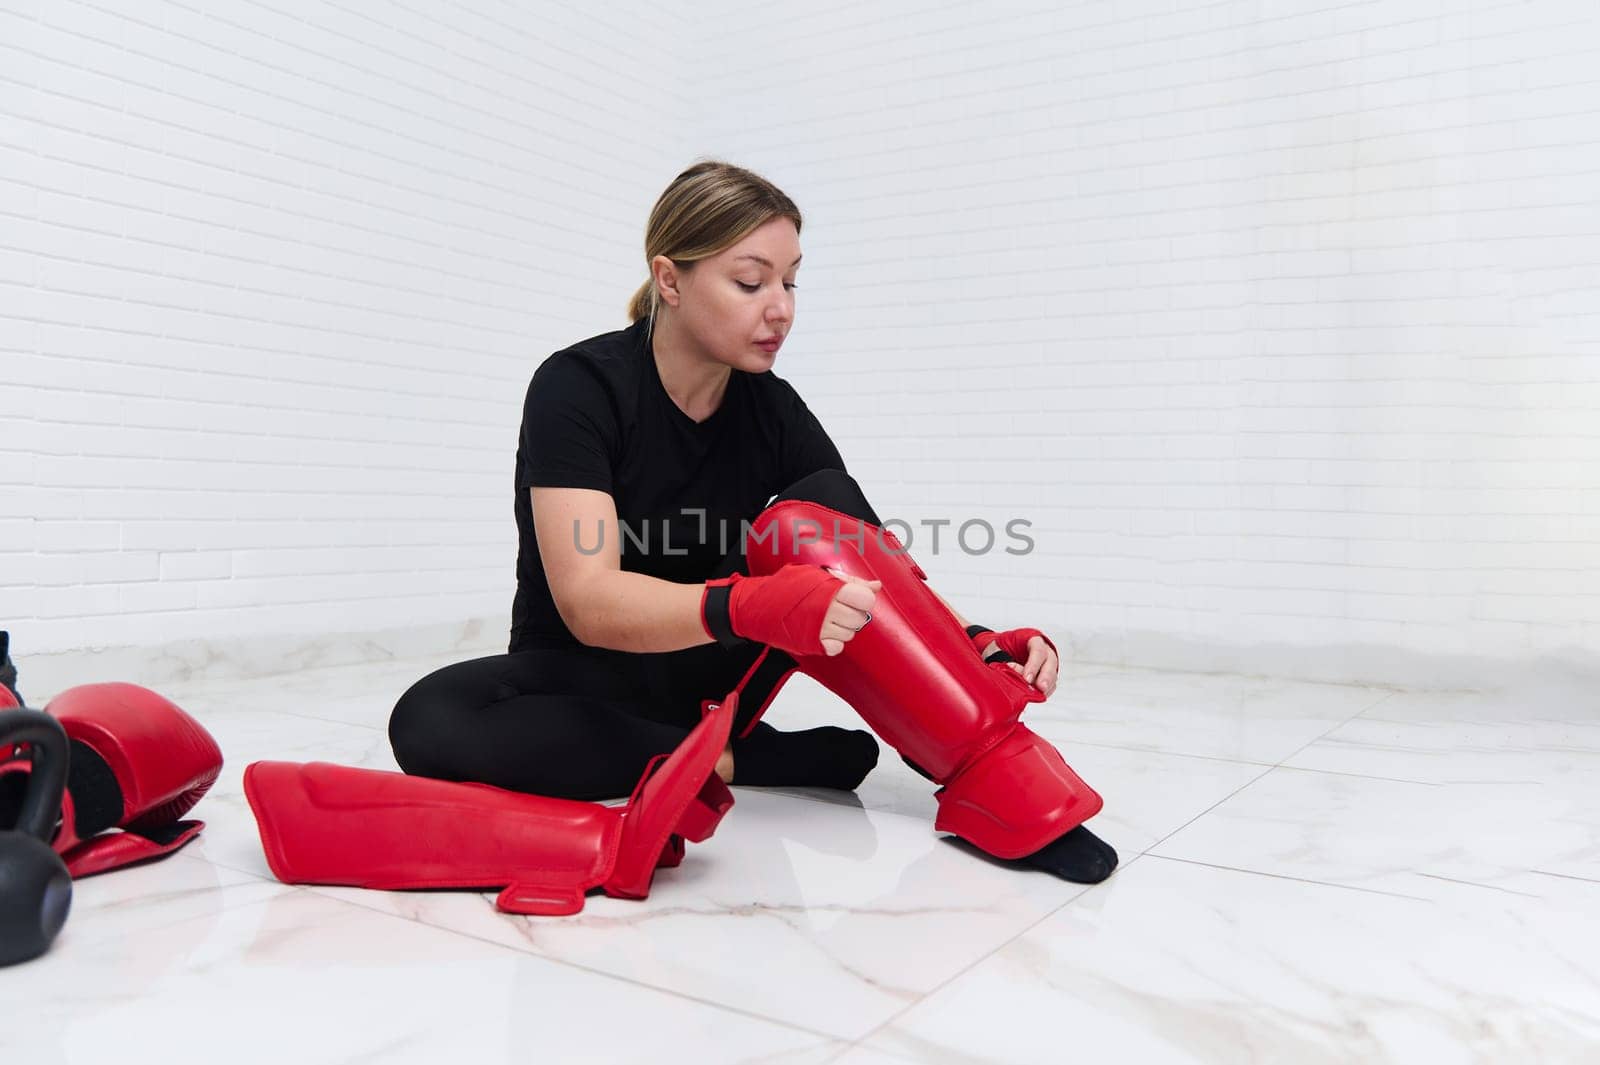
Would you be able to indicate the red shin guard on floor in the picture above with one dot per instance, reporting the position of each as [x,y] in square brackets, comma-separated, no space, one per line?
[329,824]
[914,676]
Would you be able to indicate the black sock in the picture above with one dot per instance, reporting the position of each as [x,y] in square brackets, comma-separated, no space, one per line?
[824,757]
[1079,856]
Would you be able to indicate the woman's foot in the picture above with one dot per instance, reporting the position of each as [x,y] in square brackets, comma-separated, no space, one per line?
[823,757]
[1079,856]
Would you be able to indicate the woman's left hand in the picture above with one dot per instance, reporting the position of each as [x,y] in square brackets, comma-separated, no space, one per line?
[1041,666]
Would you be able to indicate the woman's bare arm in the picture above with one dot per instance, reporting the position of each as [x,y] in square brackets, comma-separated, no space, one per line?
[602,604]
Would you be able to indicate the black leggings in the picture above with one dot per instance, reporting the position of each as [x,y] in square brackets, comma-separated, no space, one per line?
[579,723]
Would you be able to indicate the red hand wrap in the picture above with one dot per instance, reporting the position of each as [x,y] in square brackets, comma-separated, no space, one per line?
[1013,642]
[784,610]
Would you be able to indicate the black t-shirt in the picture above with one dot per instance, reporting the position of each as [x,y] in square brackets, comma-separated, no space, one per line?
[597,416]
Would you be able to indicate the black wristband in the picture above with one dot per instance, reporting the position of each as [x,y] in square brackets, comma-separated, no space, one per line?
[999,654]
[719,621]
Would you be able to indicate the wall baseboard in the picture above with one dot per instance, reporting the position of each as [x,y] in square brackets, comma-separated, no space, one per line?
[40,676]
[1573,667]
[1574,672]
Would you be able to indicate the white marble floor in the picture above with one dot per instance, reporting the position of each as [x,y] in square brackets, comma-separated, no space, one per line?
[1310,873]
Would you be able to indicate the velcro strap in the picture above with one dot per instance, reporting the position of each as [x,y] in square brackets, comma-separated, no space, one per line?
[546,898]
[715,614]
[117,849]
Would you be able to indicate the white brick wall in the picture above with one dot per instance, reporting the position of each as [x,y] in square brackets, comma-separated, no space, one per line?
[1276,320]
[273,278]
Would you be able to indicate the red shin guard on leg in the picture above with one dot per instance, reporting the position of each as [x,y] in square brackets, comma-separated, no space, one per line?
[329,824]
[915,678]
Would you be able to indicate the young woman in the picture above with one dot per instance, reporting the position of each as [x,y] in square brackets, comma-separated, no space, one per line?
[642,452]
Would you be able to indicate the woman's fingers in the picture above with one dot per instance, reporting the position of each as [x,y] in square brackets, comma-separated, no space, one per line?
[1041,668]
[856,592]
[1036,656]
[844,622]
[1042,665]
[853,603]
[839,633]
[850,611]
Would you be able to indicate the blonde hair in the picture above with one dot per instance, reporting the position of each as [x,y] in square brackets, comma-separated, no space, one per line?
[707,209]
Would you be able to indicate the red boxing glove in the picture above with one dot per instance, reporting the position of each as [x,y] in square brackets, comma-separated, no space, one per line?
[1013,642]
[139,763]
[784,610]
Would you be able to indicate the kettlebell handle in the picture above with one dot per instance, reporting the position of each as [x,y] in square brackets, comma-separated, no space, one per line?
[48,746]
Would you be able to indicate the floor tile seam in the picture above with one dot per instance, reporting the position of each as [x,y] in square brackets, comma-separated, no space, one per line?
[1259,776]
[1292,879]
[487,900]
[1474,884]
[1113,668]
[1566,876]
[1335,728]
[1166,753]
[1474,782]
[1376,776]
[1084,889]
[1491,723]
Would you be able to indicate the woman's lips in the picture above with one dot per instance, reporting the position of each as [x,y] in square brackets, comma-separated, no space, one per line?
[770,345]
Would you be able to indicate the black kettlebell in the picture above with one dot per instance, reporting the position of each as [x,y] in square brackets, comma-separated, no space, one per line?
[35,888]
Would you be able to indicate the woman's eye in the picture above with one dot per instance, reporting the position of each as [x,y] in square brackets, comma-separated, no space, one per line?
[753,288]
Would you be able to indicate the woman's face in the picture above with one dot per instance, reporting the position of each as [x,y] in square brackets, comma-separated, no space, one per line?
[732,301]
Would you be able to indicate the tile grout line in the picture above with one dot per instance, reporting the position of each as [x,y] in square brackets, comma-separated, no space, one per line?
[1281,764]
[1291,879]
[1565,876]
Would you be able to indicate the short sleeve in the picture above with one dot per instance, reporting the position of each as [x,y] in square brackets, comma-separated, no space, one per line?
[569,428]
[806,445]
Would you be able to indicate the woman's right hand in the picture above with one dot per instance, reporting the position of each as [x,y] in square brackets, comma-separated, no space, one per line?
[802,608]
[849,612]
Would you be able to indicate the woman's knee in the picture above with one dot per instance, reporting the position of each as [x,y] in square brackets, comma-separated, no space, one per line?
[835,489]
[417,731]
